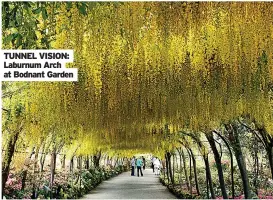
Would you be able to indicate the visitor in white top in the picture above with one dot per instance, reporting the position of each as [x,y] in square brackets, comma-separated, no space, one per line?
[157,166]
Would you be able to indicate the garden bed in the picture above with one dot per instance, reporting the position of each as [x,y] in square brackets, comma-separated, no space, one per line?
[66,185]
[178,191]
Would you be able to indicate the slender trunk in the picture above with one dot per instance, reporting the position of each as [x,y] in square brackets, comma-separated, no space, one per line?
[25,170]
[8,158]
[52,168]
[206,160]
[80,168]
[173,168]
[87,162]
[35,167]
[91,161]
[44,154]
[71,164]
[167,168]
[96,163]
[256,166]
[207,184]
[231,163]
[195,172]
[256,173]
[208,176]
[243,172]
[190,171]
[261,165]
[217,159]
[105,160]
[36,159]
[185,169]
[96,159]
[63,163]
[164,171]
[180,166]
[268,143]
[269,151]
[232,174]
[41,158]
[24,177]
[42,162]
[170,167]
[78,161]
[234,137]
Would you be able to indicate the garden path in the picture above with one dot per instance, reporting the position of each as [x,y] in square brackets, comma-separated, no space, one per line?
[125,186]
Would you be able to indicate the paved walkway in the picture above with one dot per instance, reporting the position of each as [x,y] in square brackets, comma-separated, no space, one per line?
[125,186]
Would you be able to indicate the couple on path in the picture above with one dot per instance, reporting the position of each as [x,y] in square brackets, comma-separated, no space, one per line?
[136,162]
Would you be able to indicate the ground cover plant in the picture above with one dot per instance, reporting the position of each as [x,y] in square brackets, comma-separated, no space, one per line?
[189,82]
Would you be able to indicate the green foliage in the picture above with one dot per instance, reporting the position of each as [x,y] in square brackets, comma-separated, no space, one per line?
[89,179]
[178,191]
[63,188]
[147,70]
[82,8]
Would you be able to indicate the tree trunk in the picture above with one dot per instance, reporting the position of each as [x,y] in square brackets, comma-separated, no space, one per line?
[52,168]
[96,159]
[231,163]
[195,172]
[235,141]
[36,158]
[190,171]
[217,159]
[25,169]
[173,168]
[35,167]
[208,176]
[207,184]
[8,158]
[71,166]
[243,172]
[164,169]
[180,166]
[78,162]
[42,162]
[63,163]
[167,168]
[170,167]
[105,160]
[87,162]
[43,155]
[256,167]
[185,169]
[269,151]
[267,140]
[80,168]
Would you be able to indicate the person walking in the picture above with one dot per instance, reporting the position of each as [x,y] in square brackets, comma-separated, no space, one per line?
[133,164]
[157,166]
[139,165]
[153,167]
[143,159]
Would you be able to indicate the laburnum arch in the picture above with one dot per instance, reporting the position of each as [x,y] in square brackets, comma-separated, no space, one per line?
[150,71]
[187,65]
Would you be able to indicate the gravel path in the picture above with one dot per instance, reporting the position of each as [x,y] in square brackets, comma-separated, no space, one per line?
[125,186]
